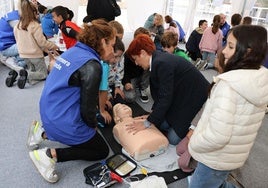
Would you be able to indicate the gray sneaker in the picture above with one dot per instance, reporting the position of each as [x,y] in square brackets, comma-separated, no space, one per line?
[35,135]
[44,164]
[201,65]
[197,61]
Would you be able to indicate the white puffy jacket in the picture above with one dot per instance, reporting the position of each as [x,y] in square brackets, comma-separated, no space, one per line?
[231,119]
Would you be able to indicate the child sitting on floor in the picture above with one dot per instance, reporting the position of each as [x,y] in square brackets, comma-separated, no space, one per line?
[169,42]
[28,31]
[111,88]
[61,15]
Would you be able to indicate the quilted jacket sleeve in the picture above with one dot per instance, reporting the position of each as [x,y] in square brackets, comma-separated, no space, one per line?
[214,129]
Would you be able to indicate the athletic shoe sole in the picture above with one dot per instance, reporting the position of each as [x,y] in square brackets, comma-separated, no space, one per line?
[36,164]
[144,100]
[22,79]
[12,75]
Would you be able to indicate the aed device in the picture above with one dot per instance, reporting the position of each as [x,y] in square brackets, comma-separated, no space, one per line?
[121,164]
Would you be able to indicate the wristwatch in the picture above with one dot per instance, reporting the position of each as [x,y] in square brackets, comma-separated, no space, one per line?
[192,127]
[147,124]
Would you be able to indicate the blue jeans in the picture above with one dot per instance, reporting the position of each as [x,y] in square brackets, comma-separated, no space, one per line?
[12,51]
[210,57]
[172,136]
[209,178]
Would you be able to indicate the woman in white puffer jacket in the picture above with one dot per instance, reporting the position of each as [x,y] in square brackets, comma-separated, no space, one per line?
[234,110]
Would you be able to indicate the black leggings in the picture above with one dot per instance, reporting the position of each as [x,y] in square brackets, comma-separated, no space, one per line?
[94,149]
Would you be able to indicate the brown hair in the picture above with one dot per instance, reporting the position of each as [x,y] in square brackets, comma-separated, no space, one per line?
[28,13]
[168,19]
[247,20]
[169,39]
[141,42]
[236,19]
[141,30]
[216,24]
[94,32]
[118,26]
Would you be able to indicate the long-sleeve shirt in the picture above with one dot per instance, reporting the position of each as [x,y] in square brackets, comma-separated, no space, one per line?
[211,42]
[35,40]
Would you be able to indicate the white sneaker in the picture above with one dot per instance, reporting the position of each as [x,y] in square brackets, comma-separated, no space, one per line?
[35,135]
[44,164]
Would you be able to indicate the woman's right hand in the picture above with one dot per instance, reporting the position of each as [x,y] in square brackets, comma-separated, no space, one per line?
[135,126]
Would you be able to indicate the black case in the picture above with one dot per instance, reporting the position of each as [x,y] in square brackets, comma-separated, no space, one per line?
[118,160]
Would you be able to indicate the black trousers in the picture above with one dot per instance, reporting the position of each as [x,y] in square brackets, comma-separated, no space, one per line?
[92,150]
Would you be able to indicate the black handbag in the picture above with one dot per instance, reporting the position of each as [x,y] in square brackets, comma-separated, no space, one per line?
[116,8]
[98,175]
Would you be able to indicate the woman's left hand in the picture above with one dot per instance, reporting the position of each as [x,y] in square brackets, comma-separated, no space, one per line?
[120,92]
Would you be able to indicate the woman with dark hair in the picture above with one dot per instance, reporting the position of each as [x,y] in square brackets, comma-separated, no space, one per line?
[69,100]
[178,89]
[234,111]
[210,43]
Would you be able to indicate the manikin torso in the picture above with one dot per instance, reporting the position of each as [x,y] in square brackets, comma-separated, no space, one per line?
[145,143]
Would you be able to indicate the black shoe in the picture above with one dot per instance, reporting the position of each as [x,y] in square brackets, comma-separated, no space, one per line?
[12,75]
[22,79]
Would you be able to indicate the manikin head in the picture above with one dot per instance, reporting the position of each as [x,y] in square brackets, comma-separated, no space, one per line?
[121,112]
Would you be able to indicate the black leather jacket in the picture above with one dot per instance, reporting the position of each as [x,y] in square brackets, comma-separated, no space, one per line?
[88,78]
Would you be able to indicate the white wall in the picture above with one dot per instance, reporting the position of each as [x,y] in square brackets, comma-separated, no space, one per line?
[139,10]
[71,4]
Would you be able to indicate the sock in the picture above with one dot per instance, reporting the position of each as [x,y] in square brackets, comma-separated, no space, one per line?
[48,152]
[42,135]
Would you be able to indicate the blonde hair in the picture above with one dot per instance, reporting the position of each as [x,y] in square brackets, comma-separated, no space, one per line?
[160,19]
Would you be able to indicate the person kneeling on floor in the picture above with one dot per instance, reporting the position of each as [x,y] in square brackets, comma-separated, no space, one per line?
[68,103]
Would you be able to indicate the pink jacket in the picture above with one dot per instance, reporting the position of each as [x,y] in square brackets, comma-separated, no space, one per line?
[211,42]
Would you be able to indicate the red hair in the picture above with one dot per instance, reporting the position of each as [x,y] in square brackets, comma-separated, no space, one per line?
[141,42]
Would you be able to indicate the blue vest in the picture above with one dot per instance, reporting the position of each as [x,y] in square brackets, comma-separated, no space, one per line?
[7,38]
[60,103]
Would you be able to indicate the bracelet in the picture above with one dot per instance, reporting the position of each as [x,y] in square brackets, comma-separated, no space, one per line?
[147,124]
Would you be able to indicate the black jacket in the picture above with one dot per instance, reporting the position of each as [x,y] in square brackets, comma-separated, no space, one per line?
[100,9]
[178,89]
[83,78]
